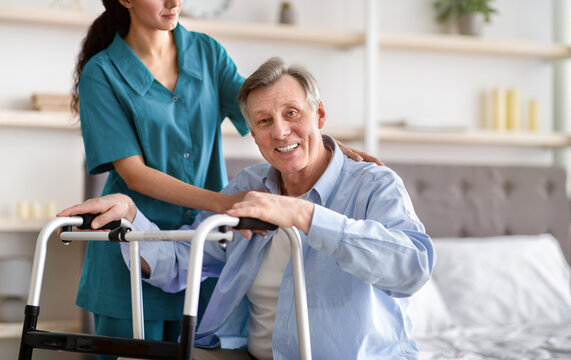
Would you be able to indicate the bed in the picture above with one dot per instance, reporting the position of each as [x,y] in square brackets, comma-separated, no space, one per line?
[501,285]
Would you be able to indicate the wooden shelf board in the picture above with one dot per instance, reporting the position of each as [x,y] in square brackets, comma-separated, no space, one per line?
[468,137]
[39,119]
[341,38]
[14,330]
[215,28]
[476,137]
[16,225]
[475,45]
[275,32]
[46,17]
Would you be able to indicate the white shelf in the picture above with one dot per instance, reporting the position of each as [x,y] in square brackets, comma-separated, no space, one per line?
[476,137]
[14,330]
[341,38]
[38,119]
[467,137]
[16,225]
[462,44]
[57,120]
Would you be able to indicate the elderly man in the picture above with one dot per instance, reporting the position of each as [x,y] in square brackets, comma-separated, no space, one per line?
[365,251]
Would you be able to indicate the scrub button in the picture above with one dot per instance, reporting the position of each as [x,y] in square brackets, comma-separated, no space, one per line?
[186,155]
[174,98]
[189,212]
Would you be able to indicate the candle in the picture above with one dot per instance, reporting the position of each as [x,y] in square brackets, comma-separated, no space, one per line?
[23,210]
[35,210]
[513,110]
[533,115]
[49,210]
[499,109]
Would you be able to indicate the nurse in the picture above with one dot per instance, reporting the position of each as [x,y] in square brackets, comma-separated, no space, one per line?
[151,97]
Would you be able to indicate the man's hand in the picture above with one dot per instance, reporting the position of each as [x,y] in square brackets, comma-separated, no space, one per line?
[111,207]
[280,210]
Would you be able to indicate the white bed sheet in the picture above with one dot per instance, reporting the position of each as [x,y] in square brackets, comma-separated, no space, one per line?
[495,298]
[508,342]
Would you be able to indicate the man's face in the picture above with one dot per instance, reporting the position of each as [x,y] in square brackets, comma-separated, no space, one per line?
[284,126]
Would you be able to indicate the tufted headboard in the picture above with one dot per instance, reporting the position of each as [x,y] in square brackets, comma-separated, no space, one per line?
[477,201]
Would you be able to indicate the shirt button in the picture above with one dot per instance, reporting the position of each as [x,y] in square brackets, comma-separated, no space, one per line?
[186,155]
[189,212]
[320,245]
[174,98]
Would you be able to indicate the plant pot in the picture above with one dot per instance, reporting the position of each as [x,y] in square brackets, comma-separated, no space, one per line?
[287,14]
[470,23]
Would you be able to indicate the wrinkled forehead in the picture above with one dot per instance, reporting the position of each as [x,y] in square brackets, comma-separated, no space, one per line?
[285,92]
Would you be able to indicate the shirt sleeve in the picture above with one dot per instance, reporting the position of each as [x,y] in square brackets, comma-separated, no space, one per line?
[168,260]
[388,249]
[229,83]
[103,122]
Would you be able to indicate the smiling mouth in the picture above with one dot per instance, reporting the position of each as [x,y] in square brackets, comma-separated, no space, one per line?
[288,148]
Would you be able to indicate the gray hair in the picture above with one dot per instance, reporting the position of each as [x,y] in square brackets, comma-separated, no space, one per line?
[269,73]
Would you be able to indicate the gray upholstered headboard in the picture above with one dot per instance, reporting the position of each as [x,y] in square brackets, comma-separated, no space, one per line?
[461,201]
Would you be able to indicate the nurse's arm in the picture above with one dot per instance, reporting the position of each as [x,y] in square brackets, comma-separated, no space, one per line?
[110,208]
[159,185]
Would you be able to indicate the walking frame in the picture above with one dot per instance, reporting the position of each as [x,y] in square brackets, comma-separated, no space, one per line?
[213,228]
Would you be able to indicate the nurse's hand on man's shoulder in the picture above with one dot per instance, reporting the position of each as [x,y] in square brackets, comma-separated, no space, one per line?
[358,155]
[110,207]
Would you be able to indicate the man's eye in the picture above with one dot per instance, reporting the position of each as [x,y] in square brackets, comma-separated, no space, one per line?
[291,113]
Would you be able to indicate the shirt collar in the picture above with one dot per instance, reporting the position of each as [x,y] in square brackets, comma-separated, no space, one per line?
[324,186]
[136,72]
[186,44]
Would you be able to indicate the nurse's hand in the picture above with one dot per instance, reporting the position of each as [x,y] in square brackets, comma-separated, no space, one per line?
[358,155]
[110,207]
[227,201]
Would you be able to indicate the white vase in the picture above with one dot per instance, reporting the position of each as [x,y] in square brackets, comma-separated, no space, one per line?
[470,23]
[287,14]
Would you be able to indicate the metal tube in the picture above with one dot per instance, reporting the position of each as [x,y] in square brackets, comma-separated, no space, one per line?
[301,314]
[166,235]
[174,235]
[195,260]
[136,291]
[40,255]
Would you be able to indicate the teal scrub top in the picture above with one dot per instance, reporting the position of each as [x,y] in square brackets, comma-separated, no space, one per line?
[124,111]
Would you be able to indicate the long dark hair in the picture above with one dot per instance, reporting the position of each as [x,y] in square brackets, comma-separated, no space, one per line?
[100,34]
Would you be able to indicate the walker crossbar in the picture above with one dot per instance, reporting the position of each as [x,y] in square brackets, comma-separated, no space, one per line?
[213,228]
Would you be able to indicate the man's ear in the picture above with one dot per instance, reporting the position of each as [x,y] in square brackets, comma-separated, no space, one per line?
[321,114]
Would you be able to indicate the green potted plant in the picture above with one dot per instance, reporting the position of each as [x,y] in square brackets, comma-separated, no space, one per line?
[469,14]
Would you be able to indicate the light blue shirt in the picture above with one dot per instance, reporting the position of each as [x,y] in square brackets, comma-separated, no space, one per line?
[365,253]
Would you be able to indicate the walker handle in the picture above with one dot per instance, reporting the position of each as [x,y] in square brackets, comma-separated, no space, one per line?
[88,219]
[248,223]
